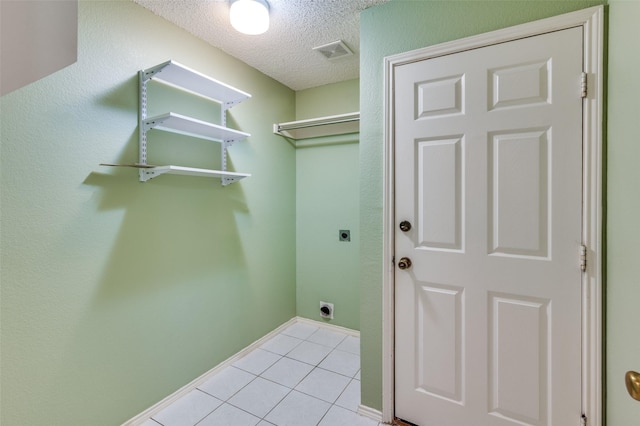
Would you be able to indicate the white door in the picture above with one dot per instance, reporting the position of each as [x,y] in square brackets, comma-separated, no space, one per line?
[488,163]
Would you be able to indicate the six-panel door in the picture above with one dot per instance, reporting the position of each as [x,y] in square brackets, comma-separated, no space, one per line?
[488,155]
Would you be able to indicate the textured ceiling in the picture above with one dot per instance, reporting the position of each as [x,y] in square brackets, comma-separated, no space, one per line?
[285,51]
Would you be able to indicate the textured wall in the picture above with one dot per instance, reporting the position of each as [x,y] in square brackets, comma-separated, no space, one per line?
[327,191]
[623,210]
[116,293]
[388,29]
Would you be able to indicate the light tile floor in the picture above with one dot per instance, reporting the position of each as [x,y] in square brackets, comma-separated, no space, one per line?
[304,376]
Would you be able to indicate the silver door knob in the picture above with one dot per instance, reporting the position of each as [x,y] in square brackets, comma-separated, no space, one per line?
[632,380]
[405,226]
[404,263]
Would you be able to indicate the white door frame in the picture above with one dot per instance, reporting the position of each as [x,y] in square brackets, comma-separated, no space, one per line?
[592,22]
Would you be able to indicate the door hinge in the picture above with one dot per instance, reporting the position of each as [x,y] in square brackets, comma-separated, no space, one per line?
[583,257]
[583,420]
[583,85]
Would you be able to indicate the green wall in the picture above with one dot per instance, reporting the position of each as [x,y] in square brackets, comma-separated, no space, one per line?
[116,293]
[327,191]
[623,210]
[392,28]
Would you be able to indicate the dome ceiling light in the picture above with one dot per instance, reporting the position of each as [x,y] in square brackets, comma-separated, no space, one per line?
[249,16]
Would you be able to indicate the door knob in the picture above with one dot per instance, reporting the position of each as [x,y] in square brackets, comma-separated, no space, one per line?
[405,226]
[404,263]
[632,380]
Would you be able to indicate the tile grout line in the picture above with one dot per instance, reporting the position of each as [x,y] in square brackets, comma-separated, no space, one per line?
[291,389]
[300,381]
[316,366]
[344,336]
[226,401]
[208,414]
[148,414]
[277,404]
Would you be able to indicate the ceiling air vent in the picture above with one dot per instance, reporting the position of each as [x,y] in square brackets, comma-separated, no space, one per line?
[335,50]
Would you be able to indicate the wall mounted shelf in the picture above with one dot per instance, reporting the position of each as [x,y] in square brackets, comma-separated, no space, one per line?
[319,127]
[152,171]
[230,177]
[177,75]
[176,123]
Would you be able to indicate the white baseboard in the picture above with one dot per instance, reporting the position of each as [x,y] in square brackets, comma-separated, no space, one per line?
[149,412]
[324,324]
[369,412]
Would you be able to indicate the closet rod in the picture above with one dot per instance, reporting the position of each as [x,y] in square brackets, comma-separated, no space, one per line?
[303,124]
[316,127]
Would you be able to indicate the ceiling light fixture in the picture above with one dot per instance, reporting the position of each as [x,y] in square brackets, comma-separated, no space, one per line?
[249,16]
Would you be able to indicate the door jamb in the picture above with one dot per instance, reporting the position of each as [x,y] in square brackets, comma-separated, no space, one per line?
[592,22]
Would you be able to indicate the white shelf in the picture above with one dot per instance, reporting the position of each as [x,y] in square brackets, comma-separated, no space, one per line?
[176,123]
[177,74]
[148,171]
[151,172]
[319,127]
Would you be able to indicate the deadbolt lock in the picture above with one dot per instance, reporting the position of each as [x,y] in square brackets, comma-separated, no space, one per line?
[404,263]
[405,226]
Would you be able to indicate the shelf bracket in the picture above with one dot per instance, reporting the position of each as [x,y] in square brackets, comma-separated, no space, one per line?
[148,174]
[227,180]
